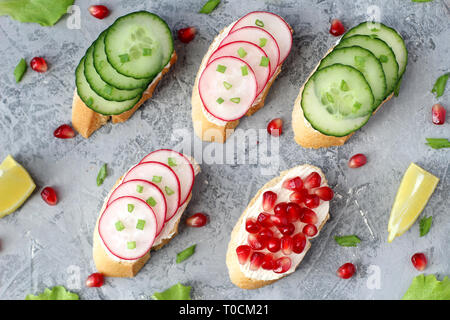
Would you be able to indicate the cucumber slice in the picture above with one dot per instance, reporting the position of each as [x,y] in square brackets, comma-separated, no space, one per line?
[342,115]
[382,51]
[388,35]
[363,60]
[139,44]
[109,74]
[94,101]
[102,88]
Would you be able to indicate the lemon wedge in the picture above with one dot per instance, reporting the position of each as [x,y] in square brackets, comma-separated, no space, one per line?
[16,186]
[416,188]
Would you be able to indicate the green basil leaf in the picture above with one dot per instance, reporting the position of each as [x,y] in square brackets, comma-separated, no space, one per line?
[186,253]
[347,241]
[425,225]
[20,69]
[209,6]
[439,85]
[101,175]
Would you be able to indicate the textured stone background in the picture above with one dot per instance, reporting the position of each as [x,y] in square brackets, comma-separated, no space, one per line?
[44,246]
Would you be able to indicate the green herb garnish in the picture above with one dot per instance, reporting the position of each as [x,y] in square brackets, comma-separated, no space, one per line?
[139,188]
[235,100]
[169,191]
[264,62]
[140,224]
[221,68]
[244,70]
[55,293]
[176,292]
[262,42]
[347,241]
[171,162]
[131,245]
[425,225]
[241,52]
[220,100]
[124,58]
[227,85]
[209,6]
[119,226]
[101,176]
[151,201]
[20,69]
[156,179]
[437,143]
[259,23]
[428,288]
[130,207]
[439,86]
[186,253]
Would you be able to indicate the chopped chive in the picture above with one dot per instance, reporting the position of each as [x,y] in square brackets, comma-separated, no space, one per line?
[140,224]
[169,191]
[438,143]
[89,101]
[119,226]
[101,175]
[262,42]
[139,188]
[156,179]
[221,68]
[329,97]
[146,52]
[186,253]
[108,89]
[259,23]
[244,70]
[124,57]
[220,100]
[241,52]
[20,69]
[227,85]
[235,100]
[264,62]
[357,105]
[384,58]
[130,207]
[209,6]
[171,162]
[344,86]
[151,201]
[131,245]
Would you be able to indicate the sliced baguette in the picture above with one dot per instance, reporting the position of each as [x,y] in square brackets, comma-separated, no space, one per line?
[237,277]
[86,120]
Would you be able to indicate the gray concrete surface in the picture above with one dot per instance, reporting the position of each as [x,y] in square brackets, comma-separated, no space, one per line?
[44,246]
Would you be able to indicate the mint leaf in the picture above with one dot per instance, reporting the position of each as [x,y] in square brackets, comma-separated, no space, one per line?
[186,253]
[209,6]
[20,69]
[425,225]
[55,293]
[176,292]
[439,85]
[101,175]
[428,288]
[347,241]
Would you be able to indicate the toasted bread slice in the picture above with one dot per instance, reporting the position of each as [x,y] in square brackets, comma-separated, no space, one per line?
[86,120]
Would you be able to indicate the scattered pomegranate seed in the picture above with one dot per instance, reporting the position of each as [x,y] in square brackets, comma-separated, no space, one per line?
[269,199]
[38,64]
[95,280]
[286,245]
[287,229]
[419,261]
[313,180]
[197,220]
[358,160]
[256,260]
[64,132]
[243,253]
[265,235]
[255,242]
[279,219]
[99,11]
[298,197]
[280,208]
[337,28]
[309,216]
[282,265]
[324,193]
[49,195]
[275,127]
[294,184]
[312,201]
[298,243]
[438,114]
[274,245]
[186,35]
[310,230]
[294,212]
[346,271]
[252,226]
[268,262]
[264,220]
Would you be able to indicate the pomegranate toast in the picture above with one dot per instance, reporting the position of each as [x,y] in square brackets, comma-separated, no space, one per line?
[237,72]
[273,234]
[142,212]
[120,70]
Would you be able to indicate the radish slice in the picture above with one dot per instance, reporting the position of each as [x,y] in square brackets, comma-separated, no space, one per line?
[180,164]
[261,38]
[219,99]
[164,177]
[256,58]
[127,227]
[273,24]
[147,191]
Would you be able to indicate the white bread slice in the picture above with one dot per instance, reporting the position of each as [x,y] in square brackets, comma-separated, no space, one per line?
[237,277]
[86,120]
[205,129]
[308,137]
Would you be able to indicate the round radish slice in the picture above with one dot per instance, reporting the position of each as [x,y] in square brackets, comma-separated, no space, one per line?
[227,88]
[164,177]
[256,58]
[261,38]
[127,227]
[273,24]
[180,164]
[147,191]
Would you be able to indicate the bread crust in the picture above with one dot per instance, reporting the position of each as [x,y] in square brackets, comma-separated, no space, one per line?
[237,277]
[86,120]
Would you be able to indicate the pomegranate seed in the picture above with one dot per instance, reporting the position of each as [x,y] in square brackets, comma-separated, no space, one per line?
[186,35]
[265,235]
[256,260]
[269,199]
[346,271]
[64,132]
[255,242]
[324,193]
[358,160]
[309,216]
[99,12]
[313,180]
[298,197]
[95,280]
[298,243]
[274,245]
[275,127]
[38,64]
[337,28]
[293,184]
[282,265]
[287,230]
[286,245]
[264,220]
[268,262]
[438,114]
[197,220]
[252,226]
[294,212]
[280,208]
[243,253]
[419,261]
[49,195]
[279,219]
[312,201]
[310,230]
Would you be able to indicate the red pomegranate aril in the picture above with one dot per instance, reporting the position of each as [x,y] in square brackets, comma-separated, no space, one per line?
[186,35]
[49,195]
[419,261]
[252,226]
[287,229]
[279,219]
[38,64]
[280,208]
[294,212]
[282,265]
[256,260]
[337,28]
[269,199]
[275,127]
[268,262]
[99,11]
[358,160]
[309,216]
[243,253]
[64,132]
[255,242]
[312,201]
[95,280]
[324,193]
[313,180]
[273,245]
[286,245]
[298,243]
[264,220]
[298,197]
[197,220]
[438,114]
[265,235]
[293,184]
[346,271]
[310,230]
